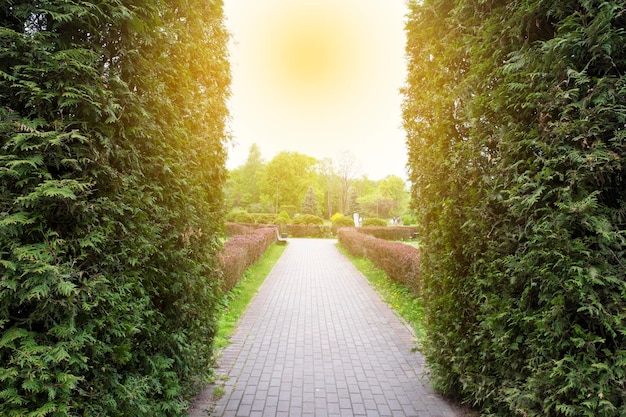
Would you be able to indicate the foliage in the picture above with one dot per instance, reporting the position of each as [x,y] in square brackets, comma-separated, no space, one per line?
[373,221]
[240,252]
[343,221]
[308,230]
[239,216]
[291,175]
[399,261]
[264,218]
[308,219]
[283,218]
[111,167]
[353,205]
[291,210]
[515,127]
[287,178]
[309,204]
[243,184]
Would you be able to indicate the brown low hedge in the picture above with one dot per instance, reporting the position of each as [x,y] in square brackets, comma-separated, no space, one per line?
[236,229]
[240,252]
[308,230]
[386,233]
[399,261]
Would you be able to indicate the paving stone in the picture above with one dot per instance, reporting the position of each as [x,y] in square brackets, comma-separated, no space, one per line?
[318,341]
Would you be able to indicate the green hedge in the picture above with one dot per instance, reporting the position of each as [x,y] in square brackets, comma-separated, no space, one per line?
[515,124]
[111,169]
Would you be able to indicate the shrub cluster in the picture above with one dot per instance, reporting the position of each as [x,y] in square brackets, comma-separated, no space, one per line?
[515,124]
[399,261]
[242,251]
[341,220]
[374,222]
[308,219]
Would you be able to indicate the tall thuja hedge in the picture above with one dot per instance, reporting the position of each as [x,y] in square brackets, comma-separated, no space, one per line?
[516,123]
[111,165]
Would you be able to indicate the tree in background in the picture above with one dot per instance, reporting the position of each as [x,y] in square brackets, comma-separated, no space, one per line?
[347,170]
[515,128]
[243,183]
[287,177]
[111,170]
[309,204]
[293,171]
[353,203]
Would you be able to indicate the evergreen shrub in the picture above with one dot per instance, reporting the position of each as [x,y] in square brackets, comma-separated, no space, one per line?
[373,221]
[264,218]
[283,218]
[306,230]
[111,170]
[515,124]
[342,221]
[308,219]
[239,216]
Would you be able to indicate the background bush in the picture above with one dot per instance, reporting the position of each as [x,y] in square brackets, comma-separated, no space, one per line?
[373,221]
[515,127]
[343,221]
[239,216]
[305,230]
[111,171]
[308,219]
[264,218]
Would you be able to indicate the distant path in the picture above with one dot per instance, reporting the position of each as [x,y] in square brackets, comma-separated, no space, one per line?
[318,341]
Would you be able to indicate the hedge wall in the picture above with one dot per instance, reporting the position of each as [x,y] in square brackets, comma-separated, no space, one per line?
[399,260]
[242,251]
[516,130]
[111,169]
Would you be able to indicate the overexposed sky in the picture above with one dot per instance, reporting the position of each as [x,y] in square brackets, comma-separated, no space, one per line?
[318,77]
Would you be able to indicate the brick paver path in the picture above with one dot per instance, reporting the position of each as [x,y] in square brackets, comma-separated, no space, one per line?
[317,341]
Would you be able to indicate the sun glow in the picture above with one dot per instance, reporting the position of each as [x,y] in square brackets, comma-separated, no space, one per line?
[318,76]
[311,54]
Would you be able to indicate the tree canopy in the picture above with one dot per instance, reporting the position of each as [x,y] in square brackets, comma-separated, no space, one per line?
[287,179]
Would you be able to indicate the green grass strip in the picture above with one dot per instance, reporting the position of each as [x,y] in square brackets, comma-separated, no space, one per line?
[397,295]
[235,301]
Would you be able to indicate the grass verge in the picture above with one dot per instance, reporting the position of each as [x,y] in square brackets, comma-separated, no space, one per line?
[235,301]
[398,296]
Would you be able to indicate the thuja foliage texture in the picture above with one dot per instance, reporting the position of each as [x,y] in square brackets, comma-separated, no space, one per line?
[516,126]
[111,165]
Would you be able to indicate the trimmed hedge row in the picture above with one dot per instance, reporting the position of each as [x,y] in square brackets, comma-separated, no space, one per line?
[236,229]
[241,252]
[399,261]
[308,230]
[386,232]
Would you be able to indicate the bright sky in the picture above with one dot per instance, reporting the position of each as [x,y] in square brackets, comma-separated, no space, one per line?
[318,77]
